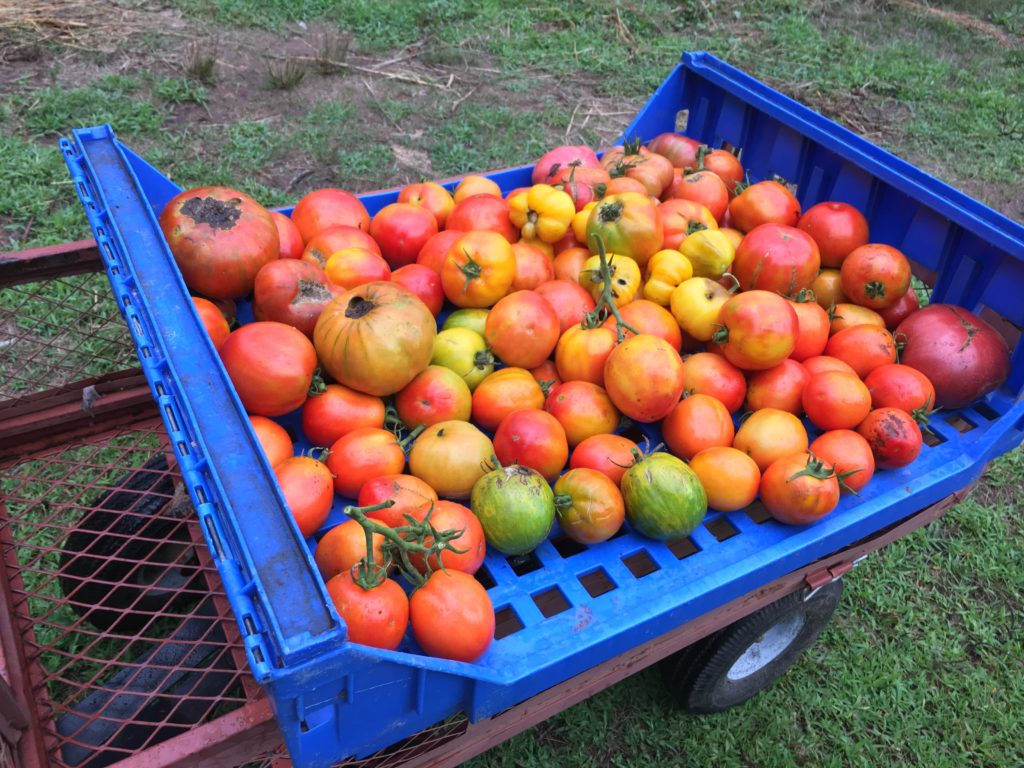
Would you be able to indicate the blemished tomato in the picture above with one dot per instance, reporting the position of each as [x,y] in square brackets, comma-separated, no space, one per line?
[568,264]
[813,324]
[589,506]
[780,387]
[799,489]
[837,228]
[452,617]
[308,488]
[555,160]
[533,438]
[710,374]
[624,273]
[896,313]
[290,245]
[766,202]
[343,546]
[450,457]
[504,391]
[483,213]
[681,218]
[328,207]
[609,454]
[875,276]
[214,322]
[337,411]
[828,288]
[431,196]
[726,166]
[770,434]
[758,330]
[648,317]
[702,187]
[628,224]
[292,292]
[777,258]
[533,267]
[401,230]
[644,377]
[836,400]
[452,516]
[903,387]
[851,456]
[334,239]
[696,423]
[220,238]
[730,477]
[522,329]
[893,435]
[436,394]
[411,495]
[465,352]
[423,283]
[352,267]
[271,366]
[274,439]
[569,300]
[471,186]
[361,455]
[583,409]
[863,348]
[375,338]
[848,315]
[434,252]
[376,617]
[680,150]
[479,269]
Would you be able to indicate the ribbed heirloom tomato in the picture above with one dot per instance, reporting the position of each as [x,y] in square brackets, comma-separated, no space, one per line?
[522,329]
[271,366]
[628,224]
[758,330]
[644,377]
[479,269]
[776,258]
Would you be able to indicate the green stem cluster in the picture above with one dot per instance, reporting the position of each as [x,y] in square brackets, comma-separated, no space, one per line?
[605,302]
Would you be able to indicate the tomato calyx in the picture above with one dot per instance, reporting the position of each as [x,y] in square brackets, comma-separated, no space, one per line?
[563,501]
[874,290]
[695,226]
[815,468]
[605,305]
[632,146]
[317,386]
[721,335]
[546,385]
[609,213]
[403,443]
[471,270]
[805,296]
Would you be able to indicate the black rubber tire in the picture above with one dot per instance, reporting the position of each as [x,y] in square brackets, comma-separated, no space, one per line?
[135,535]
[699,676]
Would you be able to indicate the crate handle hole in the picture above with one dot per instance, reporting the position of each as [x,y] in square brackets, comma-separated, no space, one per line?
[550,602]
[506,622]
[640,564]
[596,582]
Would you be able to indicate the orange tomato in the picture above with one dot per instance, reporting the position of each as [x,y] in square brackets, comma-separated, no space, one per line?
[343,546]
[581,353]
[729,476]
[411,496]
[583,409]
[533,267]
[863,348]
[361,455]
[350,267]
[644,377]
[504,391]
[479,269]
[648,317]
[780,387]
[836,400]
[569,263]
[214,322]
[711,374]
[770,434]
[696,423]
[307,486]
[476,185]
[274,440]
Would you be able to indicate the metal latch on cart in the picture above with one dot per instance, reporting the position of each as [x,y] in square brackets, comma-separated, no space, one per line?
[818,579]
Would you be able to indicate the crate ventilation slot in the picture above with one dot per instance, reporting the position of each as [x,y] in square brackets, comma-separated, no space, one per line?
[721,529]
[485,578]
[506,622]
[551,602]
[524,564]
[758,512]
[596,582]
[932,438]
[960,424]
[640,564]
[682,548]
[566,547]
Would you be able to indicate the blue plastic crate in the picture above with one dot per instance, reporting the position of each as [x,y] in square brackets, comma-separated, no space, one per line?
[334,699]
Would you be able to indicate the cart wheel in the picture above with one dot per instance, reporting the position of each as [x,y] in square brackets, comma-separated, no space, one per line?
[740,661]
[131,556]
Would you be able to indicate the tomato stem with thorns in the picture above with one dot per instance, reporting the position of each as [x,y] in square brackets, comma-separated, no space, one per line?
[605,302]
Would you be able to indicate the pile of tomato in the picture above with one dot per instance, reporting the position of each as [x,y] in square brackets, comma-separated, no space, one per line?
[472,359]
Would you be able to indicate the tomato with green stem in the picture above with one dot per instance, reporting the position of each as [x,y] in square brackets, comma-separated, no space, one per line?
[799,489]
[609,454]
[479,269]
[875,276]
[377,617]
[589,506]
[850,455]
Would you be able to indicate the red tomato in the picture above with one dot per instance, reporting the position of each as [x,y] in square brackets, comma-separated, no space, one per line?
[308,488]
[711,374]
[476,185]
[401,230]
[361,455]
[680,150]
[502,392]
[822,363]
[274,439]
[411,495]
[562,157]
[648,317]
[377,617]
[290,245]
[325,208]
[730,477]
[569,263]
[624,184]
[652,170]
[696,423]
[777,258]
[726,166]
[522,329]
[479,269]
[759,330]
[452,516]
[610,455]
[589,505]
[546,375]
[452,617]
[337,411]
[271,366]
[702,187]
[533,267]
[214,322]
[569,300]
[583,409]
[644,377]
[813,323]
[903,387]
[533,438]
[293,292]
[770,434]
[837,228]
[352,267]
[681,218]
[333,239]
[780,387]
[893,435]
[896,313]
[436,394]
[483,212]
[220,238]
[430,196]
[343,547]
[836,400]
[863,348]
[423,283]
[434,252]
[851,456]
[799,489]
[583,185]
[767,202]
[875,276]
